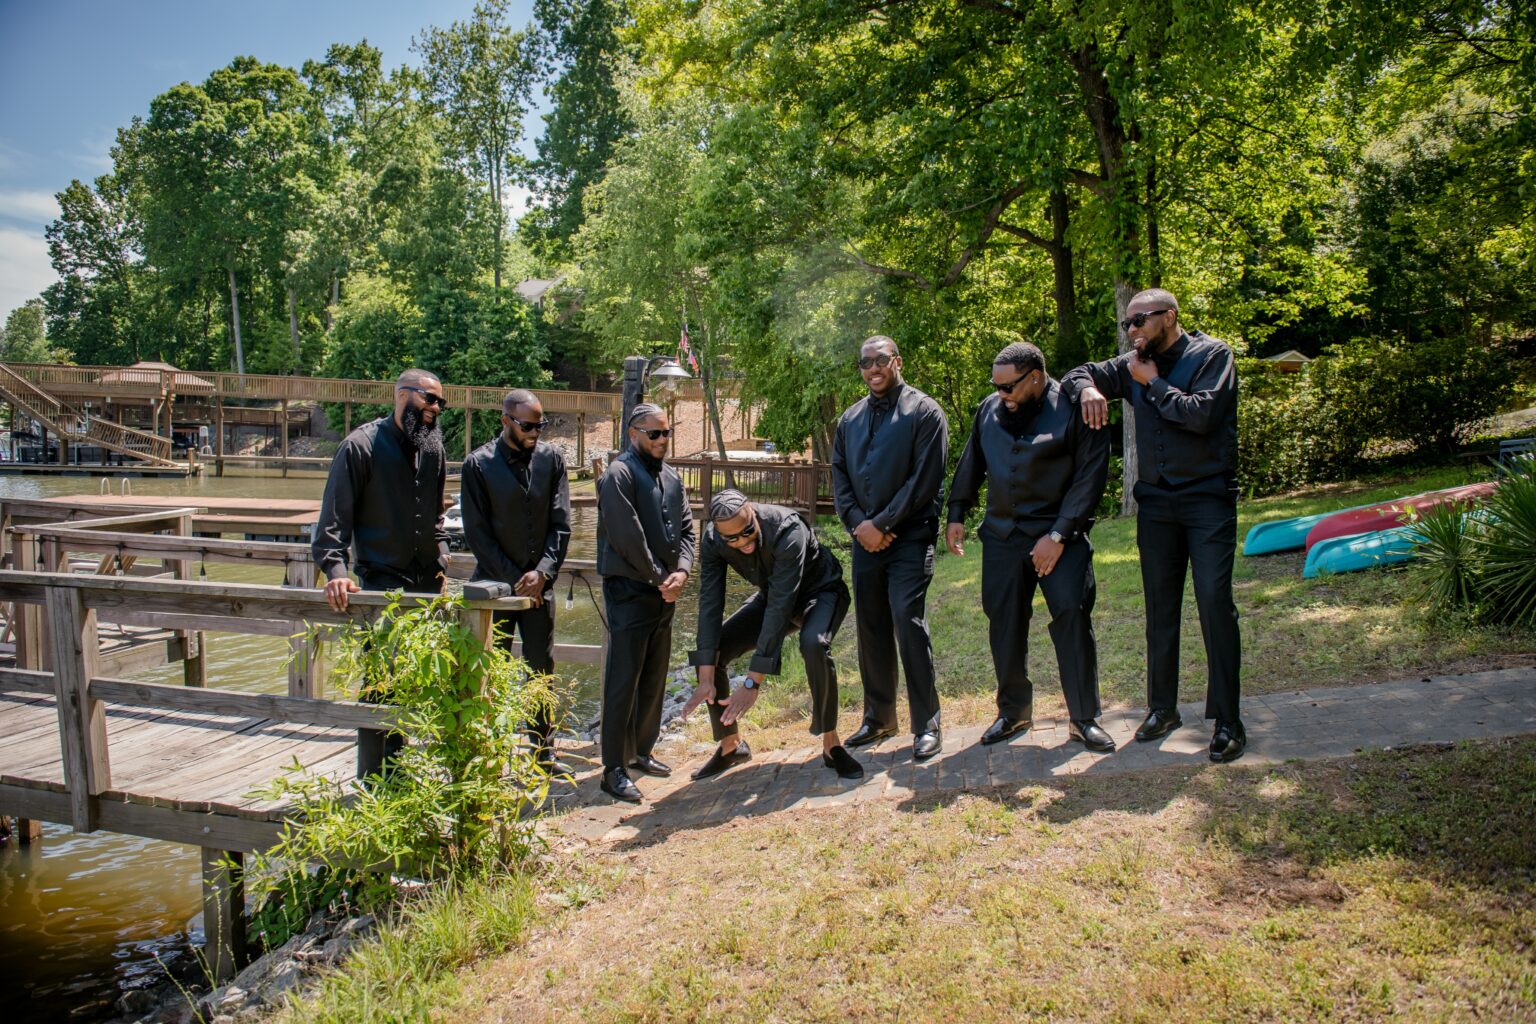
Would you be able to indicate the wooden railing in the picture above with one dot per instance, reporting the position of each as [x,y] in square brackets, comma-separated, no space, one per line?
[804,486]
[140,383]
[64,420]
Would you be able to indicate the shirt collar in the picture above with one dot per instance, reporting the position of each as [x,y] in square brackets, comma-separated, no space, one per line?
[1166,358]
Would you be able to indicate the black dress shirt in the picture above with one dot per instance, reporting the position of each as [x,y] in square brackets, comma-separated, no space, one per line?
[788,566]
[888,462]
[384,503]
[644,525]
[1186,420]
[1049,476]
[517,510]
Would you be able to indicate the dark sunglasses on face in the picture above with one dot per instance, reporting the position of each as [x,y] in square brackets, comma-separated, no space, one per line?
[1140,319]
[654,435]
[530,426]
[746,531]
[427,396]
[882,361]
[1003,389]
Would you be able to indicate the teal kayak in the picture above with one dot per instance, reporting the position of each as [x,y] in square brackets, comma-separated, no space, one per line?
[1285,534]
[1361,551]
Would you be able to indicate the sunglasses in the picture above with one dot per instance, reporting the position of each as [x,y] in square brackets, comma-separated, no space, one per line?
[746,531]
[882,361]
[439,400]
[654,435]
[1003,389]
[1139,319]
[530,426]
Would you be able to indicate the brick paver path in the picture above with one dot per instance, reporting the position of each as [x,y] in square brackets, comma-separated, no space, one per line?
[1281,727]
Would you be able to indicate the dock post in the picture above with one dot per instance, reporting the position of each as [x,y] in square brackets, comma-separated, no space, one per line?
[469,430]
[26,831]
[194,664]
[82,718]
[223,912]
[306,666]
[581,439]
[218,434]
[285,437]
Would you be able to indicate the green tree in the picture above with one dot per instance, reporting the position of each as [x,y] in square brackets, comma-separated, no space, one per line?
[480,73]
[23,340]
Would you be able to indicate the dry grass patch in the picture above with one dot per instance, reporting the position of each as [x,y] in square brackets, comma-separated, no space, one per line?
[1394,885]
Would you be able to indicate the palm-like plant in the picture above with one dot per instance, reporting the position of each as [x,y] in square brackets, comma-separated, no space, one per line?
[1507,556]
[1450,555]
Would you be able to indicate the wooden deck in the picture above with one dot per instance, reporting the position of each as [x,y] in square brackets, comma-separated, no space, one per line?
[181,775]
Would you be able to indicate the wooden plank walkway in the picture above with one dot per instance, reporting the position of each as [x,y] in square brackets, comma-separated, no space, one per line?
[181,762]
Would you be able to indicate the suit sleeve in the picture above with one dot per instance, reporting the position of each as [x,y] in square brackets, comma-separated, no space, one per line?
[1106,376]
[558,540]
[711,605]
[930,450]
[1210,394]
[1090,472]
[688,539]
[621,523]
[789,554]
[847,505]
[970,471]
[332,547]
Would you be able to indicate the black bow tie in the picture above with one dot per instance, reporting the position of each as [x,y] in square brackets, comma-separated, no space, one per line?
[881,404]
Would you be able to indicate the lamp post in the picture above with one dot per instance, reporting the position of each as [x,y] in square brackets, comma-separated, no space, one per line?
[639,371]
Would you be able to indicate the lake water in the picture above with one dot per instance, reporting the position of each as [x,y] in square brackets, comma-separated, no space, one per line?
[83,915]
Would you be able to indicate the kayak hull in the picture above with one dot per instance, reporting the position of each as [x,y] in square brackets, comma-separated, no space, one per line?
[1279,535]
[1391,514]
[1361,551]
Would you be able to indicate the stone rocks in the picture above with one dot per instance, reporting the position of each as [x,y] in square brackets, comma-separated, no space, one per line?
[323,943]
[680,684]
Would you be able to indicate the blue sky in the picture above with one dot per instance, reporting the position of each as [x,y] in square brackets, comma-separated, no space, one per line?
[74,71]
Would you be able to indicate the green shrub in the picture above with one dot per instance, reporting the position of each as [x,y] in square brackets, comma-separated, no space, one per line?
[1484,563]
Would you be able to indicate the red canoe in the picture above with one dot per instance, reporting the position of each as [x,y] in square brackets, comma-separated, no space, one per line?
[1387,514]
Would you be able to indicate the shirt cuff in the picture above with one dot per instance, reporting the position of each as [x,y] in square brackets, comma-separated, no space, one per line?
[336,571]
[549,568]
[1159,388]
[700,658]
[767,664]
[957,513]
[882,523]
[1064,526]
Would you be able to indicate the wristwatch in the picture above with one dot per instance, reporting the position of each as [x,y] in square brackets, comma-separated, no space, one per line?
[1056,536]
[749,684]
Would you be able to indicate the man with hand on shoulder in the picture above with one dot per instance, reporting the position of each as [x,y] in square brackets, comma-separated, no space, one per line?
[517,521]
[1045,470]
[800,586]
[1183,388]
[645,549]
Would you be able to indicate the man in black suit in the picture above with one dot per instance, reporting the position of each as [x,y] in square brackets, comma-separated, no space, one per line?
[1045,471]
[888,480]
[517,521]
[645,548]
[799,586]
[1183,387]
[383,512]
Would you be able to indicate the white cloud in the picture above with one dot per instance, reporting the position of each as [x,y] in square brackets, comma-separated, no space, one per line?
[515,200]
[32,207]
[24,267]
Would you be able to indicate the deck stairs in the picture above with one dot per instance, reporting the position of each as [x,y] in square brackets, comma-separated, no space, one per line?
[79,427]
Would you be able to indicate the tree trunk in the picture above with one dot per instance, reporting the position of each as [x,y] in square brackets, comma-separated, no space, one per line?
[1070,350]
[327,314]
[234,322]
[1154,241]
[293,329]
[1124,290]
[711,401]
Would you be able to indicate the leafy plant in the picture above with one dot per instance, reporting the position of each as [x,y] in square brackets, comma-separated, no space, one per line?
[1508,556]
[1450,559]
[456,800]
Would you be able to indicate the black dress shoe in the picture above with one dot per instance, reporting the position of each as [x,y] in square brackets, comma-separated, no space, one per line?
[1159,723]
[719,761]
[866,734]
[648,764]
[1228,742]
[1005,727]
[842,762]
[927,744]
[617,784]
[546,758]
[1088,732]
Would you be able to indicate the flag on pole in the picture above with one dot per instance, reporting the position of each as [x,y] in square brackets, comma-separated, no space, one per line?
[685,349]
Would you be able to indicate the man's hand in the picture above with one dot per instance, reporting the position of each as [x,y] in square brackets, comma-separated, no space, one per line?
[954,537]
[871,537]
[672,587]
[1045,554]
[704,693]
[742,699]
[336,592]
[530,584]
[1094,405]
[1143,369]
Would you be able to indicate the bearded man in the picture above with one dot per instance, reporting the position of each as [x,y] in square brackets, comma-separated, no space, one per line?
[382,515]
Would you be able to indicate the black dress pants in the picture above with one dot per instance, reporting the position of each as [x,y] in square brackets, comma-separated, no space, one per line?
[536,628]
[1008,581]
[890,594]
[635,677]
[1195,530]
[376,748]
[818,623]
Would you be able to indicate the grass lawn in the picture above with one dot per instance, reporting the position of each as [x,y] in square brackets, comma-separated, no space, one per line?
[1332,631]
[1394,885]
